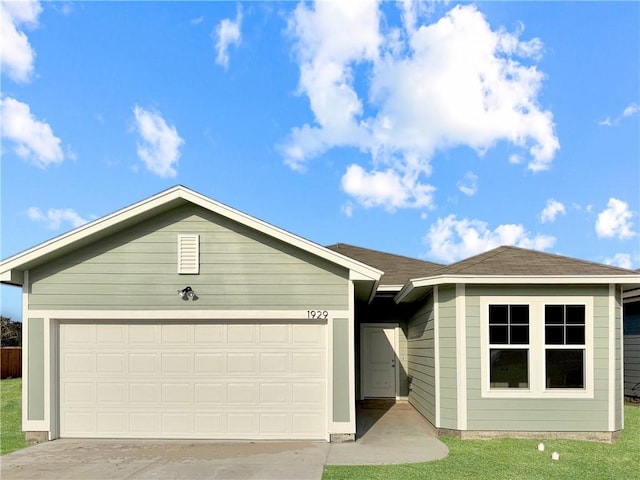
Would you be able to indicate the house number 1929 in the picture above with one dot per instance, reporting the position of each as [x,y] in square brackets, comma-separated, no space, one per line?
[317,314]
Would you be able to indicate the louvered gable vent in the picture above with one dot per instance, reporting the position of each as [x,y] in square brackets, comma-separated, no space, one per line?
[189,254]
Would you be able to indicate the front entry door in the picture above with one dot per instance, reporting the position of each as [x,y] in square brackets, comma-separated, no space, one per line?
[378,361]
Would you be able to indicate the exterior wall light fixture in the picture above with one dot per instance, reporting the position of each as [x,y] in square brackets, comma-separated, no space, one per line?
[187,293]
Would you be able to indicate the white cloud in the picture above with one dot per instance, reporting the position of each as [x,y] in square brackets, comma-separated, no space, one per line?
[450,239]
[386,189]
[347,209]
[622,260]
[33,139]
[54,217]
[615,220]
[430,88]
[630,110]
[196,20]
[552,210]
[469,185]
[227,33]
[17,56]
[159,145]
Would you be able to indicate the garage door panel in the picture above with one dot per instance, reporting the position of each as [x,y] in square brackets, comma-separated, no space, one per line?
[201,380]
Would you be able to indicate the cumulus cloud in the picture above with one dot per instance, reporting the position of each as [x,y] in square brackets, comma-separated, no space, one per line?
[451,239]
[622,260]
[615,220]
[227,33]
[159,144]
[455,82]
[630,110]
[469,185]
[386,189]
[53,218]
[552,210]
[17,54]
[33,139]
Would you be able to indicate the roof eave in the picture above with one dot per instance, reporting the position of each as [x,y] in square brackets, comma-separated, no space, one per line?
[418,287]
[12,267]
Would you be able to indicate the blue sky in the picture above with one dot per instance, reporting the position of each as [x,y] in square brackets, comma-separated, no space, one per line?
[432,130]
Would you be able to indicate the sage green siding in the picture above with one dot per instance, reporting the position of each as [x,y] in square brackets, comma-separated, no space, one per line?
[240,269]
[340,370]
[35,369]
[421,363]
[447,346]
[550,414]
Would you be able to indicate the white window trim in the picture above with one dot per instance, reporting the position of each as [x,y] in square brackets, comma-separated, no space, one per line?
[536,347]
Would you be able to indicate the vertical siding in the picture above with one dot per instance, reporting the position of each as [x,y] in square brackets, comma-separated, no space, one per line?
[552,414]
[448,373]
[420,360]
[239,269]
[632,365]
[632,348]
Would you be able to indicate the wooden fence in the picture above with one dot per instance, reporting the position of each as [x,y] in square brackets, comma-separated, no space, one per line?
[11,362]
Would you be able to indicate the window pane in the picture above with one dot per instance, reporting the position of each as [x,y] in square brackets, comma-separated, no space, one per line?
[554,335]
[498,314]
[565,368]
[553,314]
[509,368]
[575,334]
[575,314]
[519,335]
[520,314]
[498,334]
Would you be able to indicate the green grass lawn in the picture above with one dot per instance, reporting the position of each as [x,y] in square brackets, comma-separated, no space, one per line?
[491,459]
[518,459]
[11,436]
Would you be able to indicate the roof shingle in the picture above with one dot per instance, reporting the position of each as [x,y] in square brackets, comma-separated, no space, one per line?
[397,269]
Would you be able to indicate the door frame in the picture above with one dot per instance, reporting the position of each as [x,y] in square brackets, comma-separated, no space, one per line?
[396,348]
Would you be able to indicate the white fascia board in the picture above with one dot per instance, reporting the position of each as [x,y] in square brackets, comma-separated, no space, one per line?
[632,281]
[389,288]
[357,270]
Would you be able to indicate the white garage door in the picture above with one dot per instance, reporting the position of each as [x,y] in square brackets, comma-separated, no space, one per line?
[262,380]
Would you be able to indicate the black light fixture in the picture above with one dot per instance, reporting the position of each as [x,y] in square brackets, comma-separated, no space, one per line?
[187,293]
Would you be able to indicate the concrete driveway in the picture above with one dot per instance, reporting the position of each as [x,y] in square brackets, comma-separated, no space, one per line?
[386,435]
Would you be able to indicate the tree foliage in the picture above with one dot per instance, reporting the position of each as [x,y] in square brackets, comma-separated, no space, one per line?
[11,332]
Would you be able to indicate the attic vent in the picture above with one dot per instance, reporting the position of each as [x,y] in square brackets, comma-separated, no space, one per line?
[189,254]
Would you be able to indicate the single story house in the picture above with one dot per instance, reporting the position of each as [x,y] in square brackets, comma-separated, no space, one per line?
[179,317]
[631,331]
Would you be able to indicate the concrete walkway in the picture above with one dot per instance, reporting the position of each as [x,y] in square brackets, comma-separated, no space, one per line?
[386,435]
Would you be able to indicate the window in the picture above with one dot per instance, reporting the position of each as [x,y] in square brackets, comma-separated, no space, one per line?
[536,347]
[564,331]
[509,342]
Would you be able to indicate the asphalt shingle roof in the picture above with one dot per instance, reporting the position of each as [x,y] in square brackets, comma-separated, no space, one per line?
[519,261]
[397,269]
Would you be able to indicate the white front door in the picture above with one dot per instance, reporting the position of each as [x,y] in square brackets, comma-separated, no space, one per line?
[378,361]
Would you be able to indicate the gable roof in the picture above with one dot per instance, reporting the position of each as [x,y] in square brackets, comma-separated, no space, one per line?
[12,268]
[513,265]
[397,269]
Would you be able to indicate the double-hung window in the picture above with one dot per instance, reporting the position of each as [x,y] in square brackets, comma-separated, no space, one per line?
[564,338]
[509,346]
[536,346]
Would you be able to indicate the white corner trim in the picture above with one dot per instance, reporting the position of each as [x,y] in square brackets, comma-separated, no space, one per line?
[436,355]
[612,358]
[461,356]
[621,340]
